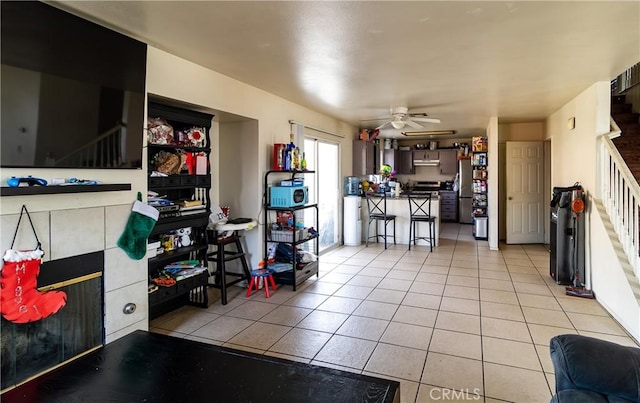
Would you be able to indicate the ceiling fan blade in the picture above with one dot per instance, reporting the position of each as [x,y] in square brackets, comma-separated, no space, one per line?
[426,120]
[382,125]
[374,120]
[413,124]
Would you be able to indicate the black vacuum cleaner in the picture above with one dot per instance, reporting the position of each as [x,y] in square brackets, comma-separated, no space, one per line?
[567,250]
[577,288]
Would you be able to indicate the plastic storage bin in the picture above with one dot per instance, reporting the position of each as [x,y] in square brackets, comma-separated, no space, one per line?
[287,236]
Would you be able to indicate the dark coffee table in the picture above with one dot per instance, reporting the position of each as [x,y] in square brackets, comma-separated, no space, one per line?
[150,367]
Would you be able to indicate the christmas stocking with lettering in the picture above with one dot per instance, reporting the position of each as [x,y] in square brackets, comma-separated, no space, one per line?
[20,301]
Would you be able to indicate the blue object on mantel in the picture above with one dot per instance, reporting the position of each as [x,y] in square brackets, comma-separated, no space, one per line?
[76,181]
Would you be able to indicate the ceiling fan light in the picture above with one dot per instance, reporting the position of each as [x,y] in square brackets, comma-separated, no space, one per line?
[397,124]
[430,133]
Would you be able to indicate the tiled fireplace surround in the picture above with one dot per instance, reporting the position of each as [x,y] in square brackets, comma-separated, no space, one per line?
[73,232]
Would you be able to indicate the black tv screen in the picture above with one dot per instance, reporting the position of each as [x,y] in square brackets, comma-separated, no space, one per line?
[72,92]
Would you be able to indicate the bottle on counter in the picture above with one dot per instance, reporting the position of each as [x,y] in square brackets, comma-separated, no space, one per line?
[288,161]
[303,163]
[296,158]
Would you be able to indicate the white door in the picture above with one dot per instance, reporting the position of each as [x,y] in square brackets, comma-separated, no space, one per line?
[525,192]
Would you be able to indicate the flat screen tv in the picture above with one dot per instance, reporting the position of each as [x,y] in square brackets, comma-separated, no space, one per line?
[72,92]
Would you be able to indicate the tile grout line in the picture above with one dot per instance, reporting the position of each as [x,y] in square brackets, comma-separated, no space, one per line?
[484,379]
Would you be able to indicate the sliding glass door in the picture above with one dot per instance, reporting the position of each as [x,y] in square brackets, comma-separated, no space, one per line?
[324,157]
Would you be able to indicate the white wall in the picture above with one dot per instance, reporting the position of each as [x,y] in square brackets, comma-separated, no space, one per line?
[574,160]
[574,151]
[493,169]
[238,143]
[528,131]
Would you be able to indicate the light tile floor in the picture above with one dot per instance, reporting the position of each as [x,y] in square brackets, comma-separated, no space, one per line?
[462,323]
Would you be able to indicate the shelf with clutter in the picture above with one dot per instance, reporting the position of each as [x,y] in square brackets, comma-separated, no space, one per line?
[291,238]
[179,182]
[480,186]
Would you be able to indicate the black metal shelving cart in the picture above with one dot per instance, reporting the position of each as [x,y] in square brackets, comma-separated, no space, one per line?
[297,238]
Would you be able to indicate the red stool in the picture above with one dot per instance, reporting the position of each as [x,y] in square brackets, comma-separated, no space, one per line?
[254,283]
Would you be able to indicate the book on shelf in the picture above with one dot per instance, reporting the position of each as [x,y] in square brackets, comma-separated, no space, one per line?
[191,211]
[183,264]
[190,208]
[186,273]
[190,203]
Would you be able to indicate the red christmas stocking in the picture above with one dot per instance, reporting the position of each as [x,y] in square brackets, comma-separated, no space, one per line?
[20,301]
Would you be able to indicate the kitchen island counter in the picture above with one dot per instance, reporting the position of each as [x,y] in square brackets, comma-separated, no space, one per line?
[399,206]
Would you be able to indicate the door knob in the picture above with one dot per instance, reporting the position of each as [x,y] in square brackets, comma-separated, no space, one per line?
[510,198]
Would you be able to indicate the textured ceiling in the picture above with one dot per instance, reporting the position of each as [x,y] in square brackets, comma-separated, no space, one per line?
[461,62]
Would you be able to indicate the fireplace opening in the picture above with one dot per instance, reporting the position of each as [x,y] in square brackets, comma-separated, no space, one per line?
[28,350]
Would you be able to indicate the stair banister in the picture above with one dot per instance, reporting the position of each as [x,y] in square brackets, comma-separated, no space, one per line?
[620,194]
[107,143]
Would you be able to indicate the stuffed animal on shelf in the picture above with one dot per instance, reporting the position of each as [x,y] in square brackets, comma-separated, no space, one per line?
[184,236]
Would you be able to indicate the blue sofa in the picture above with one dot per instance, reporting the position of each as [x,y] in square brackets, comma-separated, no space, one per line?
[594,370]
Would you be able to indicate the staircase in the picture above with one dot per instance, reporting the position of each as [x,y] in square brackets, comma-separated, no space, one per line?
[107,150]
[628,144]
[615,265]
[619,251]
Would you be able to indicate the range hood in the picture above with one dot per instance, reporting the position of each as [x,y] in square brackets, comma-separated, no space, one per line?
[426,163]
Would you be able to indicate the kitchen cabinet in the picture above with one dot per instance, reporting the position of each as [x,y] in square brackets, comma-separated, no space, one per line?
[281,228]
[184,209]
[448,161]
[448,205]
[365,158]
[400,160]
[425,155]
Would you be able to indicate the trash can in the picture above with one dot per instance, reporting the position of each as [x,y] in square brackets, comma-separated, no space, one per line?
[480,227]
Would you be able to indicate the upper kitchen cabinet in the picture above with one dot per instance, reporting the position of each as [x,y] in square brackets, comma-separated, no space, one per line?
[400,160]
[364,158]
[425,155]
[448,161]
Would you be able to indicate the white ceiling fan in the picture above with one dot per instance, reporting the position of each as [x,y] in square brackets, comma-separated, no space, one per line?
[400,117]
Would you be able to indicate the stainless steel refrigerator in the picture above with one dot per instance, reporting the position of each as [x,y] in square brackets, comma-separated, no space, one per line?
[464,192]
